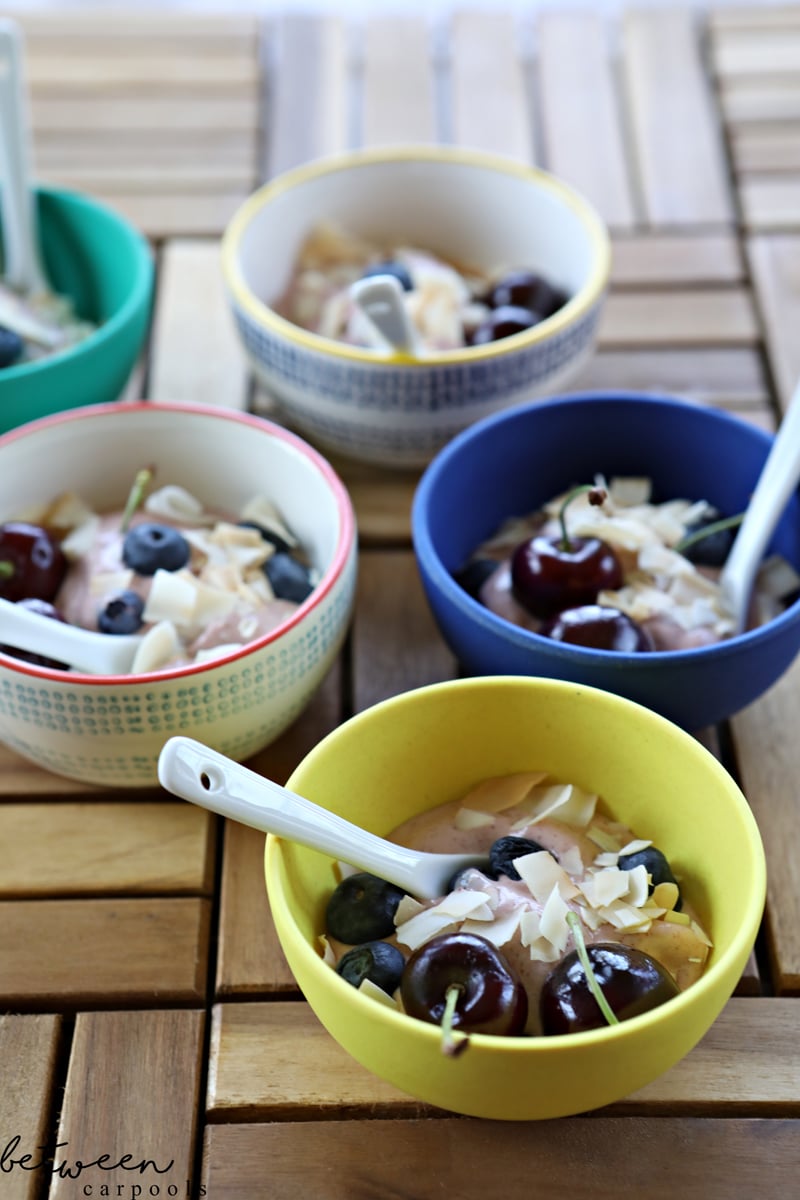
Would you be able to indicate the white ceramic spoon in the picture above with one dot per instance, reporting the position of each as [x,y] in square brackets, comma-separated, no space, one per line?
[207,778]
[95,653]
[23,264]
[380,298]
[778,479]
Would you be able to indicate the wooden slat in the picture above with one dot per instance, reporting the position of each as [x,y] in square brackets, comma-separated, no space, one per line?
[769,147]
[728,377]
[396,645]
[753,17]
[775,267]
[20,777]
[308,114]
[582,136]
[490,108]
[677,143]
[275,1061]
[762,99]
[697,317]
[771,203]
[91,952]
[175,214]
[737,53]
[382,501]
[133,1088]
[82,71]
[104,849]
[148,149]
[398,84]
[190,113]
[193,311]
[158,31]
[28,1052]
[769,765]
[668,260]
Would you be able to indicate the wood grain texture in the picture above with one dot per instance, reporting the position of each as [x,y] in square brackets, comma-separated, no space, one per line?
[489,99]
[105,849]
[20,777]
[133,1088]
[676,136]
[67,953]
[775,266]
[770,203]
[398,101]
[770,147]
[583,139]
[729,377]
[584,1159]
[701,316]
[28,1053]
[671,260]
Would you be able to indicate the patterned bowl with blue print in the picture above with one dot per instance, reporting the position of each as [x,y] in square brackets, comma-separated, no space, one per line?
[464,206]
[109,730]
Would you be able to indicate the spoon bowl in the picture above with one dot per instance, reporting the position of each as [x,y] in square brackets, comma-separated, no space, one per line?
[194,772]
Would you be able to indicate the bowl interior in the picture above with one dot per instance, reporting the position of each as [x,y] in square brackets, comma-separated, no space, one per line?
[464,210]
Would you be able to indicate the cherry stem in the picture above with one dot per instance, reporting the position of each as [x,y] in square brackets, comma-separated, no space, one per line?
[594,985]
[6,569]
[135,496]
[596,497]
[707,531]
[450,1046]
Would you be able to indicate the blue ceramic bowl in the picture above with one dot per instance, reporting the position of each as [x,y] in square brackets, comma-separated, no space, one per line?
[513,462]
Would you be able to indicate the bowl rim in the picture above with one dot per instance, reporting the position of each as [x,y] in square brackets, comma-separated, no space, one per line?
[139,294]
[259,312]
[346,544]
[527,639]
[740,944]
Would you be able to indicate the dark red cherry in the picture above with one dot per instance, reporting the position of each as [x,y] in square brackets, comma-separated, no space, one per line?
[527,290]
[631,981]
[32,563]
[600,627]
[503,322]
[549,574]
[491,998]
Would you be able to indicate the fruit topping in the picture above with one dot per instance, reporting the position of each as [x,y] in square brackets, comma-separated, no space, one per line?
[288,577]
[11,347]
[463,977]
[525,289]
[380,962]
[598,627]
[151,547]
[503,852]
[631,982]
[397,270]
[44,609]
[32,563]
[361,909]
[475,573]
[553,573]
[122,613]
[656,865]
[709,539]
[503,322]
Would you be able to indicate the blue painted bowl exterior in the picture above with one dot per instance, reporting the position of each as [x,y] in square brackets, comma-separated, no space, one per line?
[514,461]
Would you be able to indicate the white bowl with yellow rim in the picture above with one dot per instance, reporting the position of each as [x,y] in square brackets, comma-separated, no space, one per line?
[463,205]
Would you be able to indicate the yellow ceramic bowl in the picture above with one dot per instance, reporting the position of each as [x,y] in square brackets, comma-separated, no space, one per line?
[429,746]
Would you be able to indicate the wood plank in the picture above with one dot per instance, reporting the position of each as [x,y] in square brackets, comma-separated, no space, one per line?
[768,760]
[176,214]
[771,202]
[676,138]
[192,310]
[700,317]
[131,178]
[86,148]
[138,952]
[398,101]
[66,849]
[752,18]
[739,53]
[20,777]
[396,645]
[158,30]
[28,1054]
[83,71]
[133,1088]
[775,268]
[489,103]
[249,958]
[729,377]
[668,260]
[275,1061]
[760,99]
[382,501]
[308,114]
[582,135]
[580,1158]
[146,112]
[766,148]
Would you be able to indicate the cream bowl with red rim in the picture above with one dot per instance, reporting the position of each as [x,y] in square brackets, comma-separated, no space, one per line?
[109,730]
[463,206]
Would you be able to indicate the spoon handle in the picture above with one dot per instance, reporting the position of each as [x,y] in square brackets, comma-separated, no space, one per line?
[380,297]
[23,267]
[95,653]
[777,481]
[211,780]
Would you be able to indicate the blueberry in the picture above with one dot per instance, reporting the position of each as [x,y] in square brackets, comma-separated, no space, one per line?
[362,909]
[122,613]
[149,547]
[289,579]
[268,535]
[656,865]
[473,576]
[505,850]
[711,551]
[380,962]
[391,268]
[11,346]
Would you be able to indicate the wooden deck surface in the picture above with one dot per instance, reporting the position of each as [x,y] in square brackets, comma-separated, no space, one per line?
[148,1008]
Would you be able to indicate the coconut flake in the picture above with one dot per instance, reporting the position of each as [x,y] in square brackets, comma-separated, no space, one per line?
[501,792]
[471,818]
[175,504]
[540,872]
[159,646]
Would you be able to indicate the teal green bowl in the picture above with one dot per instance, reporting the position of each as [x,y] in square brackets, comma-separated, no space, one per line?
[98,259]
